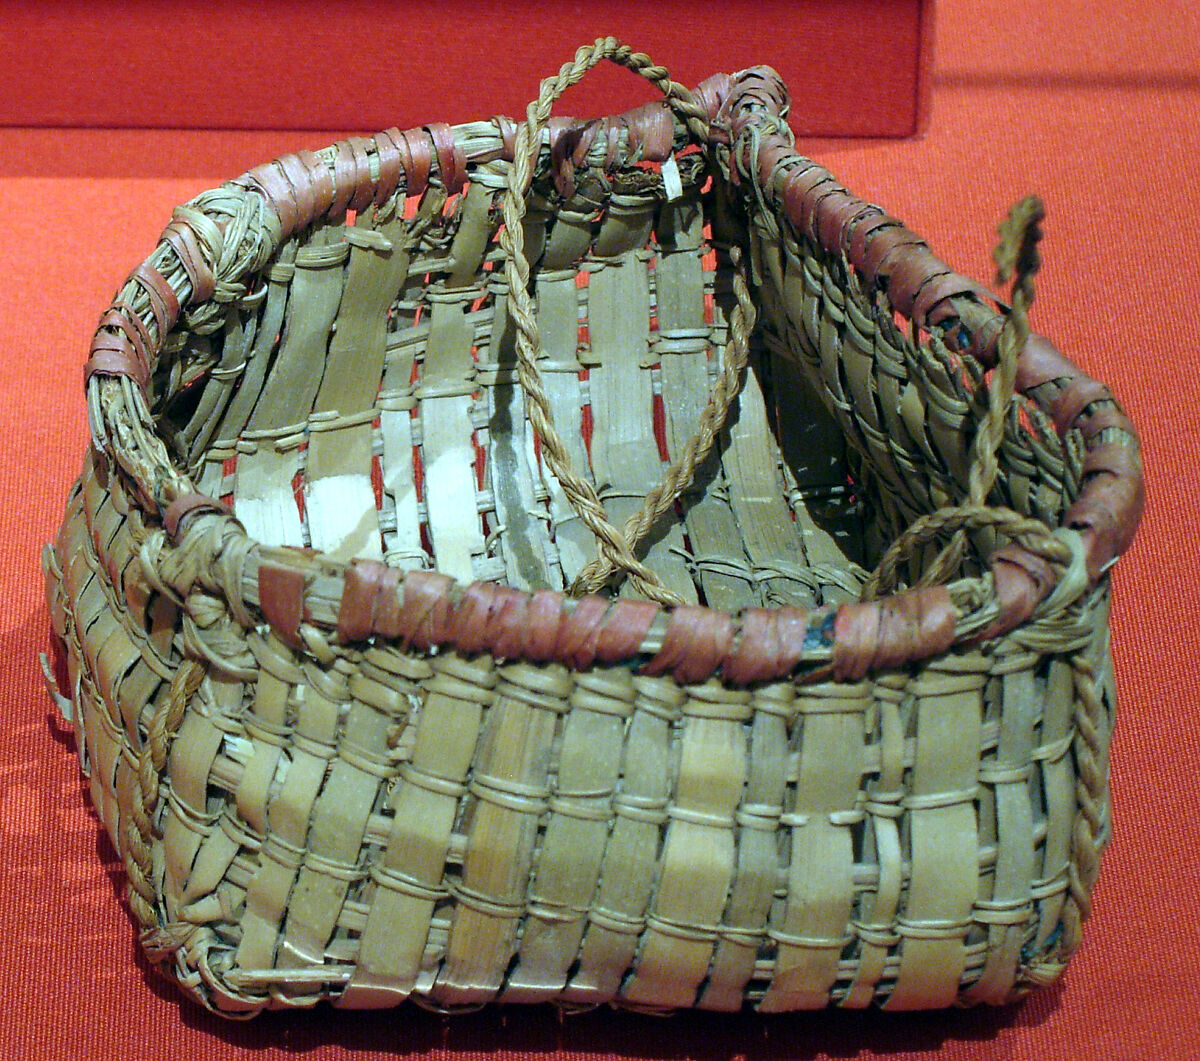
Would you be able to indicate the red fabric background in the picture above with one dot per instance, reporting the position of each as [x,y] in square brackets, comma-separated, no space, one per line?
[1094,106]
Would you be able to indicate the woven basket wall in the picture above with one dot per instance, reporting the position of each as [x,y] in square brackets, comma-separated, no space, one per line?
[349,730]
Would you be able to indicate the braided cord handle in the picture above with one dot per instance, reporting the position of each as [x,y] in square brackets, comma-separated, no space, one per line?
[1016,256]
[615,546]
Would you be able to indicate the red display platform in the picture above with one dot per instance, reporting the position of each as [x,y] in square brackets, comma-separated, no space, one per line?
[855,67]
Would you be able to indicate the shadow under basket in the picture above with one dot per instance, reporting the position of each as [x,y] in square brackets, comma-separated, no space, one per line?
[370,716]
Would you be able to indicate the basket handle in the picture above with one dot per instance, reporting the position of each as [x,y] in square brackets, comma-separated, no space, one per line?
[615,546]
[1055,562]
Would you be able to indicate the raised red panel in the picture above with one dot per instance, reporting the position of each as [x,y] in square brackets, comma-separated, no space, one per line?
[855,67]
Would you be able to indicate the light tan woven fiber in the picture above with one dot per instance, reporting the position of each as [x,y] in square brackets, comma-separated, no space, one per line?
[468,596]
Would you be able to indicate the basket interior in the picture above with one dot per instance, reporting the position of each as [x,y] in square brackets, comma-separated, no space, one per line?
[361,397]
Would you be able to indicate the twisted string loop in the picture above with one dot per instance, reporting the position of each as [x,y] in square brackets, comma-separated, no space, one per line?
[616,555]
[1016,256]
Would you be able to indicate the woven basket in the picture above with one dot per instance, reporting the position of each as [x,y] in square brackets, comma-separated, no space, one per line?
[465,597]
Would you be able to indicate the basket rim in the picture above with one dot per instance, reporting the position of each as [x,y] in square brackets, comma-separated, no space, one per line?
[363,599]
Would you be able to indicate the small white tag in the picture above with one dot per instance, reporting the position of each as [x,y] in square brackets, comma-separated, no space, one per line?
[672,185]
